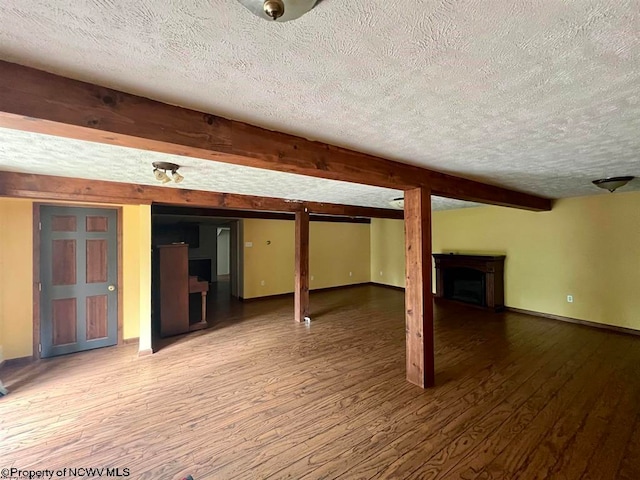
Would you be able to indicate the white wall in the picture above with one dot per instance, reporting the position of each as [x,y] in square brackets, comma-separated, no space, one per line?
[224,236]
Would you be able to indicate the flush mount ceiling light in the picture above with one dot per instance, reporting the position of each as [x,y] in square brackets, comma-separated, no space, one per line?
[279,10]
[160,170]
[397,203]
[612,183]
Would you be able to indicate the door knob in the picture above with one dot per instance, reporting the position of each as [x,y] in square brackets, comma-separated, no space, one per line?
[111,288]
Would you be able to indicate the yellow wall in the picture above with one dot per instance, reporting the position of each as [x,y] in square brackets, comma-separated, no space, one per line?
[16,273]
[588,247]
[136,257]
[387,252]
[271,264]
[2,269]
[16,277]
[143,304]
[335,250]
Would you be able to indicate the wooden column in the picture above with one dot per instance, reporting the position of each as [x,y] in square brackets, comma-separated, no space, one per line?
[302,266]
[418,295]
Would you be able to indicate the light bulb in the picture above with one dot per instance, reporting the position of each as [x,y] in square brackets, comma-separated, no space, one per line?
[161,176]
[177,177]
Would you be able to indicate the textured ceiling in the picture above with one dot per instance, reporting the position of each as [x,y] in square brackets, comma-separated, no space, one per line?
[47,155]
[541,95]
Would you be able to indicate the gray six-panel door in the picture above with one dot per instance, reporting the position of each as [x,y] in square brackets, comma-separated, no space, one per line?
[78,273]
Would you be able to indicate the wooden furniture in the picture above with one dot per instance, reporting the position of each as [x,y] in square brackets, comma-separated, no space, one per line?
[490,266]
[174,289]
[198,286]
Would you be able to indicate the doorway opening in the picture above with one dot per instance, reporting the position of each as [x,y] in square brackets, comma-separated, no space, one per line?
[196,270]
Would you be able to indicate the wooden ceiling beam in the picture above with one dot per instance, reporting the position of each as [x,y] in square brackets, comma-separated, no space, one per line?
[46,187]
[160,210]
[41,102]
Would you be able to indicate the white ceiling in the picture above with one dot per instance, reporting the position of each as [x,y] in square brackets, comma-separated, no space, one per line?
[541,95]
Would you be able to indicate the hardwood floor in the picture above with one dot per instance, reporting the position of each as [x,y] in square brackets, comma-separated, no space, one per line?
[258,396]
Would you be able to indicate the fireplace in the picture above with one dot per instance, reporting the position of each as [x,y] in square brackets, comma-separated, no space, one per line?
[473,279]
[465,285]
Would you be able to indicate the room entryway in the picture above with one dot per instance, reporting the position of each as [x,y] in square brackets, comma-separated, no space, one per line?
[210,263]
[78,276]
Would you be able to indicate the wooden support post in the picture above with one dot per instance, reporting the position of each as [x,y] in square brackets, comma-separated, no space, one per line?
[418,295]
[302,266]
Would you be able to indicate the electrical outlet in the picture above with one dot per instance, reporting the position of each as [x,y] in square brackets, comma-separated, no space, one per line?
[380,272]
[262,283]
[570,298]
[351,274]
[311,277]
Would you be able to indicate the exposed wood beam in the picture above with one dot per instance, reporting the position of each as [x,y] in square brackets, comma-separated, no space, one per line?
[41,102]
[45,187]
[418,296]
[163,210]
[352,210]
[301,292]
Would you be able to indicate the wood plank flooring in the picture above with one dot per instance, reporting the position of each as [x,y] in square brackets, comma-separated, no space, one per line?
[259,396]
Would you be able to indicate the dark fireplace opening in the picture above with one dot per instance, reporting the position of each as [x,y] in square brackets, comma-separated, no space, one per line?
[465,285]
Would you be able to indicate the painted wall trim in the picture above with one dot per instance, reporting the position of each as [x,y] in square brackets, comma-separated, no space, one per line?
[16,362]
[586,323]
[384,285]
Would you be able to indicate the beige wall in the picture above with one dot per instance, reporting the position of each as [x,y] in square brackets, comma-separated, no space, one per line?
[336,250]
[16,273]
[588,247]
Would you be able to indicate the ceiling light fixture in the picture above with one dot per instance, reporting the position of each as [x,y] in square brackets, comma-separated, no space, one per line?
[612,183]
[279,10]
[160,170]
[397,203]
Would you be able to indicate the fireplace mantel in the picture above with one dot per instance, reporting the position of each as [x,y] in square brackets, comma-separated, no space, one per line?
[491,266]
